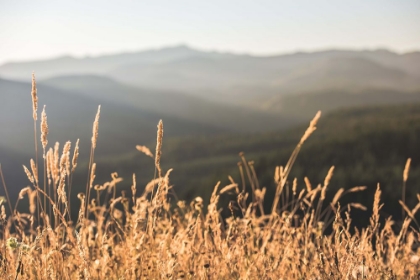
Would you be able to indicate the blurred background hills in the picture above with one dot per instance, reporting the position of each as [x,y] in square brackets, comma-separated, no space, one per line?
[215,105]
[248,93]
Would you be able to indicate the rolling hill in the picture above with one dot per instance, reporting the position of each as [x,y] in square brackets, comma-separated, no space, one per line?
[128,117]
[186,107]
[304,106]
[238,79]
[257,114]
[70,117]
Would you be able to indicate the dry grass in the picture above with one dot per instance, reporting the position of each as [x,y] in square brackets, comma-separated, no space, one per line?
[144,236]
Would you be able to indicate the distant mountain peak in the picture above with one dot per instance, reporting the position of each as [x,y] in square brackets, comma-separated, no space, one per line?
[179,47]
[176,48]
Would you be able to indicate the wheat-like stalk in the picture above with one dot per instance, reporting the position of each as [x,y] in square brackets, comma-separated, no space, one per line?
[96,128]
[35,118]
[75,156]
[34,98]
[44,130]
[144,150]
[94,140]
[405,178]
[158,152]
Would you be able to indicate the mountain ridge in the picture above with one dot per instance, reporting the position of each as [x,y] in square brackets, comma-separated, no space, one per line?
[177,104]
[183,51]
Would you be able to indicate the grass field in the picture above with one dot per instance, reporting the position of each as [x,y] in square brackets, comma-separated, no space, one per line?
[149,234]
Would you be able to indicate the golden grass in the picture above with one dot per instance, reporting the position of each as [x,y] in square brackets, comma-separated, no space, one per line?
[148,237]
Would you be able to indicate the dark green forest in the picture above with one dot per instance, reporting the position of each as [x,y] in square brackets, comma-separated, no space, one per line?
[367,146]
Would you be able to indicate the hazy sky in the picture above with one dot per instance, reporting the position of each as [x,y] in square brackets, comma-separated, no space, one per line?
[47,28]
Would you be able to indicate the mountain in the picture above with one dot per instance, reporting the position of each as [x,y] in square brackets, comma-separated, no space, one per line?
[71,116]
[68,65]
[304,106]
[353,73]
[239,79]
[182,106]
[128,116]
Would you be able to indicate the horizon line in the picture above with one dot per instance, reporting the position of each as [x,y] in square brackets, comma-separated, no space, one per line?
[188,46]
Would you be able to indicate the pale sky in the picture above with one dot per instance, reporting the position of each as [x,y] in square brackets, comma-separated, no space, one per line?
[31,30]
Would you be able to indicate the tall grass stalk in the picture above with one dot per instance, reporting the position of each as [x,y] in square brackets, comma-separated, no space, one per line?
[94,140]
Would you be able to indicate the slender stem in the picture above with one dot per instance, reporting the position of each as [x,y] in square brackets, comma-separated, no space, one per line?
[403,199]
[36,162]
[248,173]
[5,190]
[45,183]
[69,193]
[88,182]
[283,179]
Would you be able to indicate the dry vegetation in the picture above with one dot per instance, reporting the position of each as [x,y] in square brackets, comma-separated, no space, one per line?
[145,235]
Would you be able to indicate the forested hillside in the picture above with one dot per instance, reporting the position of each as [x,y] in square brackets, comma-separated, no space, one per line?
[367,146]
